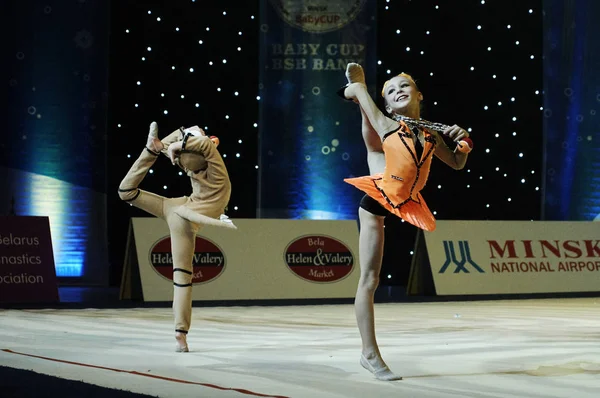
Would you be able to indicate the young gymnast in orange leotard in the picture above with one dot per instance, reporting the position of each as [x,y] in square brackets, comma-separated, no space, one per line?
[398,188]
[400,149]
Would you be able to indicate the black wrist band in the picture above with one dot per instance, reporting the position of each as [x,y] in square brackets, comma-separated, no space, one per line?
[185,138]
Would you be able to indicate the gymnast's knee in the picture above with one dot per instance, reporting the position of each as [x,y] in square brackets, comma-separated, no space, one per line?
[129,195]
[369,281]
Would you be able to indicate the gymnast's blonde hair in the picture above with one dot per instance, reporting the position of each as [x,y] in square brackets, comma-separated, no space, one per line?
[404,75]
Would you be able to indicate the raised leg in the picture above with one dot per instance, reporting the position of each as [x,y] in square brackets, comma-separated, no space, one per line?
[356,90]
[128,188]
[370,247]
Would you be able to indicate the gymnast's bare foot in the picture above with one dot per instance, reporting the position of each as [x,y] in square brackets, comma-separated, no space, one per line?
[181,345]
[154,144]
[355,73]
[227,222]
[380,370]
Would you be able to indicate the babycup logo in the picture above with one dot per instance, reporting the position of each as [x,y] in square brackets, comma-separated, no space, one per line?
[318,16]
[318,258]
[460,263]
[208,261]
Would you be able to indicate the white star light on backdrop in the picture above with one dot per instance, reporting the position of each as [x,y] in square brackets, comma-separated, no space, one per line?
[203,36]
[474,68]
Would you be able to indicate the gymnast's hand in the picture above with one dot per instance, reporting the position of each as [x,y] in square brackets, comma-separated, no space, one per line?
[195,130]
[174,150]
[456,133]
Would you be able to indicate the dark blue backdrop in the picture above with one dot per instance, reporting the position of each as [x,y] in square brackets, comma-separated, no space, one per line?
[571,110]
[53,159]
[310,139]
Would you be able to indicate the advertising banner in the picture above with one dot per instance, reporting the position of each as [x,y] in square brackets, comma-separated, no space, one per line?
[263,259]
[504,257]
[27,272]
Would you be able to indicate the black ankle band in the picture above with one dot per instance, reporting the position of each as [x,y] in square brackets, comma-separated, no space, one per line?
[180,285]
[129,190]
[181,331]
[341,91]
[152,152]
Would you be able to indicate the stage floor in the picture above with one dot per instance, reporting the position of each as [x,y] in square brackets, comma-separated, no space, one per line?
[510,348]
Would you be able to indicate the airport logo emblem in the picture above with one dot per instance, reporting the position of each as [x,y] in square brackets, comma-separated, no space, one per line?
[463,262]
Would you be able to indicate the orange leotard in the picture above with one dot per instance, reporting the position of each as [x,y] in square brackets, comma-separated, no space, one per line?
[398,189]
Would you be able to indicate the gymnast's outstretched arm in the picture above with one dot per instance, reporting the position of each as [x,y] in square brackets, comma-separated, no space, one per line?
[202,145]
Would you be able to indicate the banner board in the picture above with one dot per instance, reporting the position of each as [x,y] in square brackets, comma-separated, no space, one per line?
[263,259]
[309,137]
[27,272]
[505,257]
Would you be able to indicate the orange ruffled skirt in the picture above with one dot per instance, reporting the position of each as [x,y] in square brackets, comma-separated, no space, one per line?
[415,211]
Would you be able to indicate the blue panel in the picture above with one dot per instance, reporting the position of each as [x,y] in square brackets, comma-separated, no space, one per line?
[310,139]
[54,151]
[571,109]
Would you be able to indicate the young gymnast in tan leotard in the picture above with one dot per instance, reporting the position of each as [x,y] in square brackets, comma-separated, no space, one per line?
[197,155]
